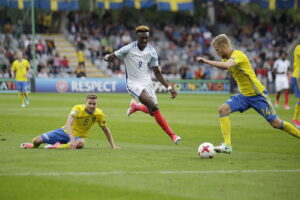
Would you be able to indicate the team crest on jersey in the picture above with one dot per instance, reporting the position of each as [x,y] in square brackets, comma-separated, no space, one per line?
[74,113]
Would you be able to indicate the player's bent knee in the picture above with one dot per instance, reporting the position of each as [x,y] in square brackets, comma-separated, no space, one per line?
[223,110]
[277,123]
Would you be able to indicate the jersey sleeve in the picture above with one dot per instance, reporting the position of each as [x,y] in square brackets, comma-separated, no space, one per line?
[101,119]
[27,64]
[75,112]
[123,51]
[238,58]
[154,59]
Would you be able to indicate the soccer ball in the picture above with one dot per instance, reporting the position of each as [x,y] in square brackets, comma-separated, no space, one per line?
[206,150]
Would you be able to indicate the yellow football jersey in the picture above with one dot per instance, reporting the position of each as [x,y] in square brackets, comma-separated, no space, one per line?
[84,121]
[244,74]
[296,62]
[21,69]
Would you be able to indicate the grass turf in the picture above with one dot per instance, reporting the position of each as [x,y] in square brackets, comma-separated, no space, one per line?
[265,163]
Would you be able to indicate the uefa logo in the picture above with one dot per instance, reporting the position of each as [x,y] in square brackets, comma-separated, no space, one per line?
[61,86]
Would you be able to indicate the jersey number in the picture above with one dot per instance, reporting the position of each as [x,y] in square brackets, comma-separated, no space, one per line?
[267,112]
[140,64]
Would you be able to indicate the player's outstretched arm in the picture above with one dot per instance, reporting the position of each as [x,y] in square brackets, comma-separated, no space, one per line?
[162,80]
[70,121]
[109,137]
[221,65]
[110,57]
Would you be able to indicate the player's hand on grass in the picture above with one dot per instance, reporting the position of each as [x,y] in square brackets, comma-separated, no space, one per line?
[73,145]
[116,147]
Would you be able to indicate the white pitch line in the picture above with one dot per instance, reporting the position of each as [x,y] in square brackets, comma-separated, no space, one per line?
[147,172]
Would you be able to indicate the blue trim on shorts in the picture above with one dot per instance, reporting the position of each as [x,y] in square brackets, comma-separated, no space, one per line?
[261,103]
[295,87]
[57,135]
[21,86]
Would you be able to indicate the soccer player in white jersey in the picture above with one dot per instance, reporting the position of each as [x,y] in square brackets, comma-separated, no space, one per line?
[139,56]
[281,68]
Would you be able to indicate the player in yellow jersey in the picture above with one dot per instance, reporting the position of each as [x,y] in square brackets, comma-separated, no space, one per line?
[80,58]
[19,70]
[252,92]
[296,84]
[72,135]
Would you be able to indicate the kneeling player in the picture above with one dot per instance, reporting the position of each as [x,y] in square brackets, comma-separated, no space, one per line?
[80,120]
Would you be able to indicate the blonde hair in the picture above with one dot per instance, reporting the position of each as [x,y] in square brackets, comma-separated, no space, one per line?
[221,40]
[142,28]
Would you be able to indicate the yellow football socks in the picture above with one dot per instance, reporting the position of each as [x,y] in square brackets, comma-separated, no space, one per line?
[226,129]
[21,97]
[64,146]
[297,111]
[290,129]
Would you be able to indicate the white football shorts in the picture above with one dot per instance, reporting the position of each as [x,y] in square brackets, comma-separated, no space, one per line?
[281,83]
[135,90]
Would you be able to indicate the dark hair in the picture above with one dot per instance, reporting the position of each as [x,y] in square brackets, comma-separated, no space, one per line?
[91,96]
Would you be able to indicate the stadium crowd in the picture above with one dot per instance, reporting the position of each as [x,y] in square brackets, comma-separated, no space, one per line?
[177,44]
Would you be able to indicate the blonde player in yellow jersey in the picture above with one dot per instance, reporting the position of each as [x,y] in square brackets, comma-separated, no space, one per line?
[296,84]
[80,120]
[19,70]
[252,92]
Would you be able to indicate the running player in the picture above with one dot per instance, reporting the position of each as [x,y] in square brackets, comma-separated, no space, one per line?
[253,93]
[20,70]
[138,57]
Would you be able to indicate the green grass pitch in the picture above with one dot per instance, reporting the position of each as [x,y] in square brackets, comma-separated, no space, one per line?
[265,163]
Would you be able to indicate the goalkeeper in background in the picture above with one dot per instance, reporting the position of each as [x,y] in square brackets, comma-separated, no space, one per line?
[80,120]
[253,93]
[20,70]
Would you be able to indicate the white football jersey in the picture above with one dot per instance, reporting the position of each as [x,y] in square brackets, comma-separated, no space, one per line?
[137,62]
[282,66]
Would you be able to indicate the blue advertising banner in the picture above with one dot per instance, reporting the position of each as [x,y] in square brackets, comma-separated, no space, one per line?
[114,85]
[77,85]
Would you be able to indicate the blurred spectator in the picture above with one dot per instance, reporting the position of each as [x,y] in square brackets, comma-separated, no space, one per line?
[5,73]
[56,64]
[43,73]
[50,46]
[65,63]
[40,48]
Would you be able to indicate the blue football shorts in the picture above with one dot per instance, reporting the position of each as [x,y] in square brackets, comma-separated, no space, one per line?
[261,103]
[295,86]
[57,135]
[21,86]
